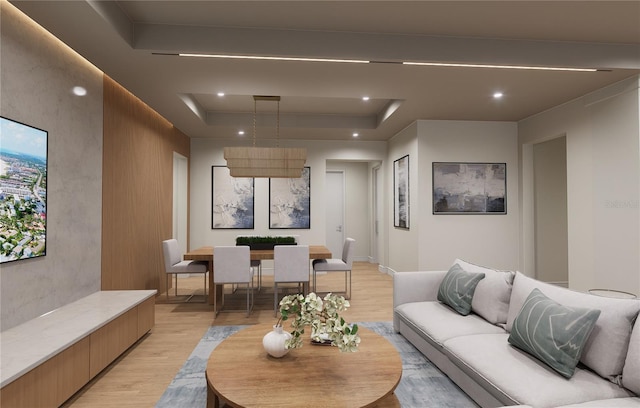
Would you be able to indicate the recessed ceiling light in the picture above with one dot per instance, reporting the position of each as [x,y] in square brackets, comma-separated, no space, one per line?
[365,98]
[241,132]
[221,94]
[356,134]
[79,90]
[497,95]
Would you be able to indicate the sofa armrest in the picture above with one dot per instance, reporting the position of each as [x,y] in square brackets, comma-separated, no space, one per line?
[419,286]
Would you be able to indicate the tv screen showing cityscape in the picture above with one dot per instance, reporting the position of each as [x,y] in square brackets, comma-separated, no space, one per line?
[23,191]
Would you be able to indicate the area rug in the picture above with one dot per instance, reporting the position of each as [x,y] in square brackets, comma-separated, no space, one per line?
[422,385]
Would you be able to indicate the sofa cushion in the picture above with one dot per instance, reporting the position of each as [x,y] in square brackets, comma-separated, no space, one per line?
[551,332]
[511,374]
[632,402]
[631,370]
[491,297]
[457,288]
[606,348]
[437,323]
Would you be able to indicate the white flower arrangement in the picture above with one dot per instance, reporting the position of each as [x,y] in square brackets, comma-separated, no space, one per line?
[323,317]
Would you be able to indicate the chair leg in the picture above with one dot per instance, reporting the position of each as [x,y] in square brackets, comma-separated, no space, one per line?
[205,287]
[346,295]
[167,283]
[314,282]
[249,286]
[215,299]
[275,300]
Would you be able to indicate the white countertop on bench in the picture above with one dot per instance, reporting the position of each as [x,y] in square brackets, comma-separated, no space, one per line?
[28,345]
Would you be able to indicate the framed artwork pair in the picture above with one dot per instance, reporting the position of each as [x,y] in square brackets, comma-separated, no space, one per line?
[232,201]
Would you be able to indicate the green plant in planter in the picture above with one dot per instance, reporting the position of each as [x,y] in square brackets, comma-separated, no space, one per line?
[323,315]
[265,240]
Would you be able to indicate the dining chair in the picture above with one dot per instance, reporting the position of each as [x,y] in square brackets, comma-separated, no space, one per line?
[290,265]
[232,264]
[343,264]
[174,265]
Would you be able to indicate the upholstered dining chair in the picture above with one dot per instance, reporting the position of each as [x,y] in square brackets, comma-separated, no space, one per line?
[232,264]
[174,265]
[290,265]
[343,264]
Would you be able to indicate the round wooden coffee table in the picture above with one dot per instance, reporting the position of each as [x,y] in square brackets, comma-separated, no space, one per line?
[241,374]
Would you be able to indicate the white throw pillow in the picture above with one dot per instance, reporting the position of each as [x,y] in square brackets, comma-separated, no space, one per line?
[491,298]
[631,370]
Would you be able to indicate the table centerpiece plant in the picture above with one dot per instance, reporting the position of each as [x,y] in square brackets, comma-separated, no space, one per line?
[322,314]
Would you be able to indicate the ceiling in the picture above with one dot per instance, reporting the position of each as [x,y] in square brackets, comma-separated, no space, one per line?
[136,43]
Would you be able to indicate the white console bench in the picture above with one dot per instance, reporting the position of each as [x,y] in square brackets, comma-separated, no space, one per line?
[46,360]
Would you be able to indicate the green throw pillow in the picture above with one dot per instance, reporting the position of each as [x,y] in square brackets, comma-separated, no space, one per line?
[457,287]
[553,333]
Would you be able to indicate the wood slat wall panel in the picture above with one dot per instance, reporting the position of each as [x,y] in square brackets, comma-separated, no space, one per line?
[137,190]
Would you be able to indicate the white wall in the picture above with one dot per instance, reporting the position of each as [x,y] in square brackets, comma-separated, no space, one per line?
[550,195]
[490,240]
[36,76]
[603,185]
[208,152]
[402,244]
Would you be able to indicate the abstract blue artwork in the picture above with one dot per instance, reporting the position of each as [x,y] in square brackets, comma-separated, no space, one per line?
[401,192]
[469,188]
[231,200]
[290,202]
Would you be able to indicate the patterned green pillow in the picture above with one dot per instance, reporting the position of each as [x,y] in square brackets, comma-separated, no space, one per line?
[551,332]
[457,287]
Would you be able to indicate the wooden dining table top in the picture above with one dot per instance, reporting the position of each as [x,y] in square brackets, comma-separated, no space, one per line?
[205,253]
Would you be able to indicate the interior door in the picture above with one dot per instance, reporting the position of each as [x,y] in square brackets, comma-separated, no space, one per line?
[334,217]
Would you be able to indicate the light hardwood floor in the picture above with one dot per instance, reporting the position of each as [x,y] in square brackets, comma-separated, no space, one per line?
[139,377]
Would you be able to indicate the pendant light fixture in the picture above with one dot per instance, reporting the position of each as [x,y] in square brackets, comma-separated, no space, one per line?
[272,162]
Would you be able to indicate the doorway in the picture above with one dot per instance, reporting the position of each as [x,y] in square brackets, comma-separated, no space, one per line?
[334,217]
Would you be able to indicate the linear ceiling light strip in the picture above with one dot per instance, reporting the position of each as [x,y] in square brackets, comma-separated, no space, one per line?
[430,64]
[260,57]
[446,64]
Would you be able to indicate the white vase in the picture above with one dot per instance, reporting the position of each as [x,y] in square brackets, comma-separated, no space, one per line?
[273,342]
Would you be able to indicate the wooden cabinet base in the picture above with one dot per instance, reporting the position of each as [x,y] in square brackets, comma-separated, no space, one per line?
[54,381]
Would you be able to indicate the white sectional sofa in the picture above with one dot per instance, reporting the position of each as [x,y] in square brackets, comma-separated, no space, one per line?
[476,351]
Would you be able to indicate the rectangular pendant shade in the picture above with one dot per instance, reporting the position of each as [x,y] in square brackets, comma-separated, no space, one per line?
[265,161]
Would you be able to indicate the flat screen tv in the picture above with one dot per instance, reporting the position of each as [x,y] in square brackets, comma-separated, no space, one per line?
[23,191]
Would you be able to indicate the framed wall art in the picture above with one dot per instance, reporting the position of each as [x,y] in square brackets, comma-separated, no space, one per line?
[23,191]
[469,188]
[401,192]
[290,202]
[232,200]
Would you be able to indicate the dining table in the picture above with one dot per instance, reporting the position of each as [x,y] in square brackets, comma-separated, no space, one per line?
[205,253]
